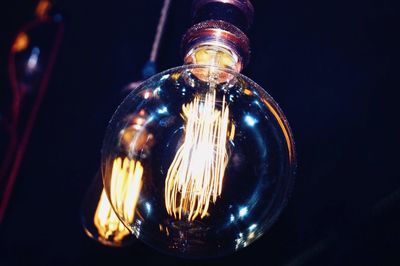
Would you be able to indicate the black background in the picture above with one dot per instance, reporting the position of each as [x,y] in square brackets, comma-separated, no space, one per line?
[330,65]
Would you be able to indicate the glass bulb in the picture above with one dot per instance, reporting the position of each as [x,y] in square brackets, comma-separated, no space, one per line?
[206,157]
[99,219]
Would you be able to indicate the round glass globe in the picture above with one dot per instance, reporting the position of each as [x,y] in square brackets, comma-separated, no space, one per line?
[198,161]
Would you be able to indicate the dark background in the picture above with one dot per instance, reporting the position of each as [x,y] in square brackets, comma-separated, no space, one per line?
[330,65]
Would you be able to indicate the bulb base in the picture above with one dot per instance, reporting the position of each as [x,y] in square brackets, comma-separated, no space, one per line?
[216,43]
[237,12]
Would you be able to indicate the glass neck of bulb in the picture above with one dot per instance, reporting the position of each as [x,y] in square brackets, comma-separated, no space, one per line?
[214,54]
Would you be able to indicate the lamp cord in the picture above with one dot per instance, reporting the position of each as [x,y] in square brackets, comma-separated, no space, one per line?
[160,30]
[150,68]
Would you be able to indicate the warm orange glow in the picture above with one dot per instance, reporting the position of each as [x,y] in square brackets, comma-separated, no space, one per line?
[42,8]
[126,182]
[125,186]
[175,76]
[247,91]
[20,43]
[107,223]
[195,176]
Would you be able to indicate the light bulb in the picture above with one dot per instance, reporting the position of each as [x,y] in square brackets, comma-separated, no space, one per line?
[99,219]
[216,161]
[204,155]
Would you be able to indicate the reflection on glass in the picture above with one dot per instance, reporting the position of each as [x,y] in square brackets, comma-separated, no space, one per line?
[43,8]
[21,42]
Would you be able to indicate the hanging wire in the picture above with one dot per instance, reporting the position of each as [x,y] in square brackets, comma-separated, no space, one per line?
[160,30]
[150,68]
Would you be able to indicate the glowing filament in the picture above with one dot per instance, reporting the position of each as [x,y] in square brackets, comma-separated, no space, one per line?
[126,183]
[195,176]
[107,223]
